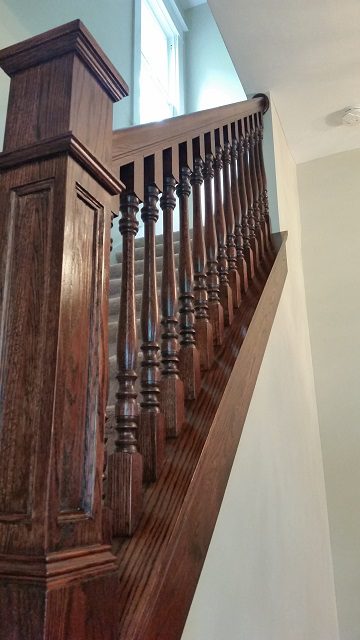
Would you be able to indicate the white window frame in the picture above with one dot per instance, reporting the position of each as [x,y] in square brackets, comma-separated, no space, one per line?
[174,26]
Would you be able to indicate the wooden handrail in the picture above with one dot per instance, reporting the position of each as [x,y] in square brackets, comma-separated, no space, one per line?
[133,144]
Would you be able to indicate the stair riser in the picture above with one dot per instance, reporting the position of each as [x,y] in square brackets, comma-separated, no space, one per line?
[115,269]
[115,284]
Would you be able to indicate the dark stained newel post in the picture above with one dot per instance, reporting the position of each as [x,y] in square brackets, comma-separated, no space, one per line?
[172,388]
[56,193]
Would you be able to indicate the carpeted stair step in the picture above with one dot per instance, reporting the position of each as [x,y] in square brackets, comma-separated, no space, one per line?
[115,284]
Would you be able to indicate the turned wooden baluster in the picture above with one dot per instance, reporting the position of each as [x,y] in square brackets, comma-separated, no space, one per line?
[204,332]
[216,312]
[248,253]
[241,262]
[152,429]
[255,186]
[234,278]
[107,517]
[189,357]
[267,226]
[226,297]
[172,388]
[125,466]
[259,176]
[250,198]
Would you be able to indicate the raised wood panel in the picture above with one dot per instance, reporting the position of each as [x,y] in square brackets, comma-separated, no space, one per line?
[24,320]
[50,384]
[55,216]
[76,398]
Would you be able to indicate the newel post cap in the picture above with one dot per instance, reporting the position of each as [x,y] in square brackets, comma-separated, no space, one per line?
[72,37]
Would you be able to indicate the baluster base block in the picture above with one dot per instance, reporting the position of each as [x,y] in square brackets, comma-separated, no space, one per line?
[216,316]
[243,273]
[261,242]
[205,342]
[151,441]
[172,404]
[267,235]
[249,258]
[124,491]
[256,254]
[226,300]
[189,368]
[234,282]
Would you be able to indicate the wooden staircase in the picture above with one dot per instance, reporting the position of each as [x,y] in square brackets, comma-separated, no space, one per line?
[124,388]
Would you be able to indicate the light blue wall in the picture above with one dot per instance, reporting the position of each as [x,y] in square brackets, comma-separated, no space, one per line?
[211,79]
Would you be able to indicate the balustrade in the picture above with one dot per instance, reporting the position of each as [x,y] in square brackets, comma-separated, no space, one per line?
[53,181]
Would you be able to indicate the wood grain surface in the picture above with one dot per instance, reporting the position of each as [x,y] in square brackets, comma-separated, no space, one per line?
[159,567]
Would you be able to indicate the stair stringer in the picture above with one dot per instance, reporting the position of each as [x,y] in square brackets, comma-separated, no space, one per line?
[160,565]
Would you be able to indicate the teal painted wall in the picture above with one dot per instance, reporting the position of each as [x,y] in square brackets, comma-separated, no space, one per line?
[211,79]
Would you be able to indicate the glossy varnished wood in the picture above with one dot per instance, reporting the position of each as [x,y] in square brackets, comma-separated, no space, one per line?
[55,203]
[234,278]
[136,143]
[152,428]
[204,332]
[248,253]
[250,194]
[125,465]
[239,240]
[172,388]
[226,295]
[255,186]
[189,357]
[160,566]
[216,312]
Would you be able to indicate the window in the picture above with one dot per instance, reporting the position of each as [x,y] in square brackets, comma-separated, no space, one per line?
[157,67]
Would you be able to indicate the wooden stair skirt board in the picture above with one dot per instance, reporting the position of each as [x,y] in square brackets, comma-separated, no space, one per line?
[160,565]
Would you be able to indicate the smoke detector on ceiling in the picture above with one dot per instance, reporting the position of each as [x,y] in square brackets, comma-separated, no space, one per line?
[351,116]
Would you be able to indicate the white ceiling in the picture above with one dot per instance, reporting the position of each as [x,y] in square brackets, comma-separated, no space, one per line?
[307,53]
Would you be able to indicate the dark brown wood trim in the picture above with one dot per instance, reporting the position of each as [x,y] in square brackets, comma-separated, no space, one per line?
[65,143]
[67,38]
[160,566]
[143,140]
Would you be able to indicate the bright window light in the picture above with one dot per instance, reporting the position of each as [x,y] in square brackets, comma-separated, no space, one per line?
[159,67]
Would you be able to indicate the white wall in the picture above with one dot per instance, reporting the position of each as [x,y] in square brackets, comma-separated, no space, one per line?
[268,573]
[329,198]
[210,76]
